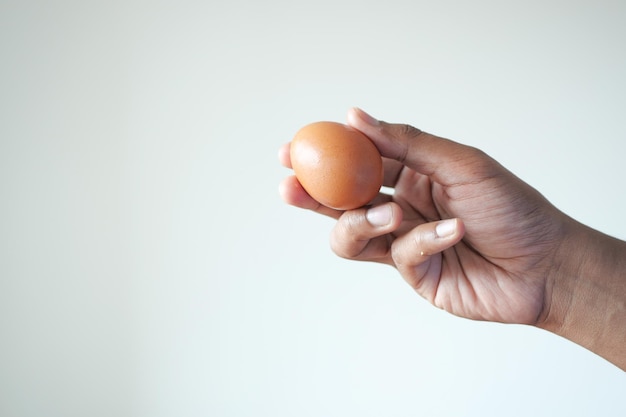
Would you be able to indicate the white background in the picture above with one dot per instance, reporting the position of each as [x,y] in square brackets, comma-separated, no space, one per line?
[149,268]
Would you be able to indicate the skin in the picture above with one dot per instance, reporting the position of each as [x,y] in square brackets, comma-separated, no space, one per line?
[473,239]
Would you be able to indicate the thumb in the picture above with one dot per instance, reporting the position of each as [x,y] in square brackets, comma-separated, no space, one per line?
[446,161]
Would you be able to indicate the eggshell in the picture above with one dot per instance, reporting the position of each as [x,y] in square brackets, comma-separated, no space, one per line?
[337,165]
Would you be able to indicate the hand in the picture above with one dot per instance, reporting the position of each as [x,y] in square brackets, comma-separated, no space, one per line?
[464,232]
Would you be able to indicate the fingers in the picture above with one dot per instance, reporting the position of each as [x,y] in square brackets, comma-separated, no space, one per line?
[362,234]
[284,156]
[417,257]
[368,234]
[292,193]
[412,248]
[447,162]
[443,160]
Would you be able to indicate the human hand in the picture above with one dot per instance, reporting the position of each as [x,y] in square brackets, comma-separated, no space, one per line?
[464,232]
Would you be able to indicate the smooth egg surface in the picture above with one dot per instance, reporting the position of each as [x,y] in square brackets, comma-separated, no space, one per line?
[336,164]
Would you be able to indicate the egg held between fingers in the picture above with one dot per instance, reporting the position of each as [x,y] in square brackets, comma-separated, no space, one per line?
[337,165]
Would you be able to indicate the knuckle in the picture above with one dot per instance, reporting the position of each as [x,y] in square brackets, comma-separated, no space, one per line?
[339,249]
[408,131]
[404,135]
[413,249]
[344,240]
[483,166]
[343,249]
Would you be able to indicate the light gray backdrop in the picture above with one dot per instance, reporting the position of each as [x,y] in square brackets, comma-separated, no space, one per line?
[149,268]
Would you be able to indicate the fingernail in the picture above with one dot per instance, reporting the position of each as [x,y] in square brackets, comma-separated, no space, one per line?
[445,228]
[366,117]
[379,216]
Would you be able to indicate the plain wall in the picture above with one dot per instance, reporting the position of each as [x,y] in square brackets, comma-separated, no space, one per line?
[149,268]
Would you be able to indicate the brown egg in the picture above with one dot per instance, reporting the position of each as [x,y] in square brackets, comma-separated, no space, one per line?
[337,165]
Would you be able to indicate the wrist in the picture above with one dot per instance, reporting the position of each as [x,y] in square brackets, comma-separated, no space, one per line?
[585,297]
